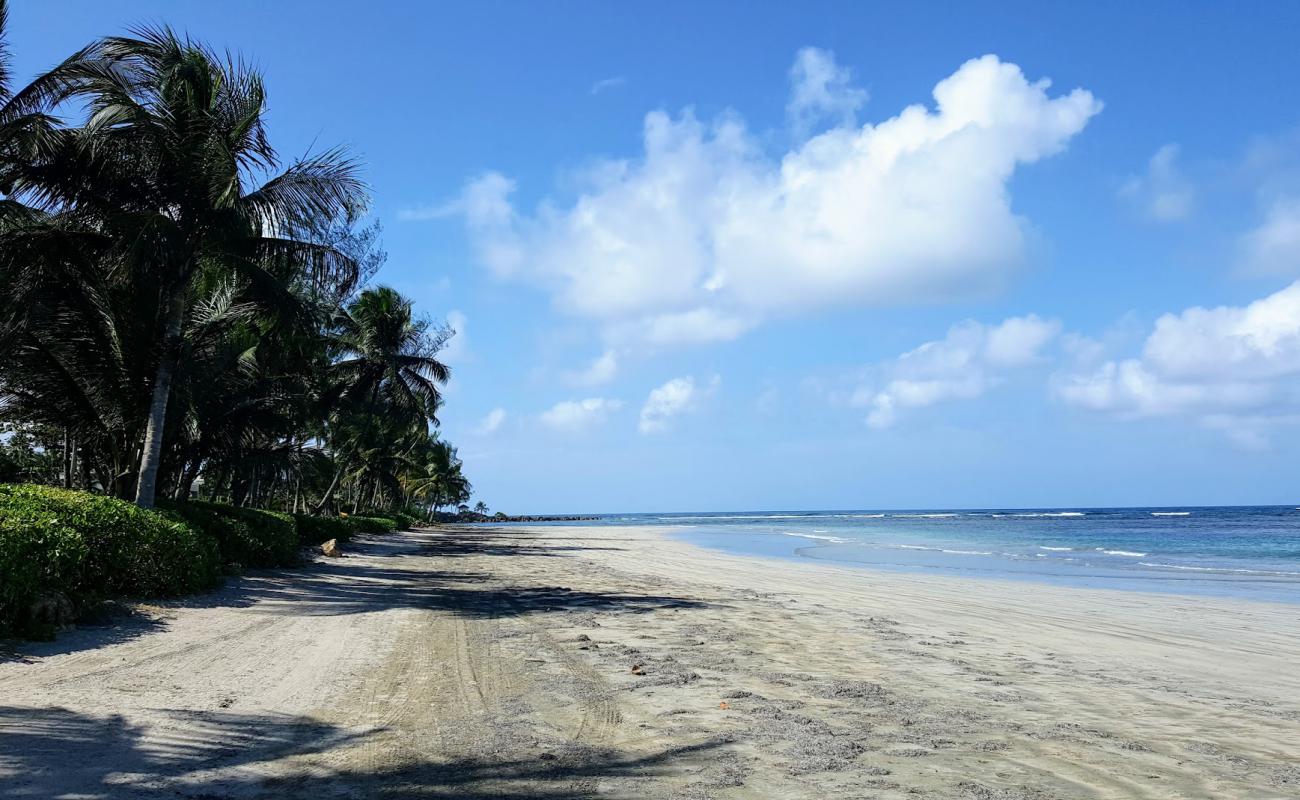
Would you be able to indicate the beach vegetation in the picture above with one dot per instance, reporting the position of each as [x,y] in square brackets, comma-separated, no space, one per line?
[86,547]
[191,323]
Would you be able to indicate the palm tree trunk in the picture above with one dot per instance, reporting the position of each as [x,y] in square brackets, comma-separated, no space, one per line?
[67,458]
[189,471]
[146,485]
[329,492]
[83,463]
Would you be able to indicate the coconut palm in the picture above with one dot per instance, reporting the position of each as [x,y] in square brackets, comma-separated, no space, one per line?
[164,185]
[389,355]
[177,317]
[438,480]
[387,365]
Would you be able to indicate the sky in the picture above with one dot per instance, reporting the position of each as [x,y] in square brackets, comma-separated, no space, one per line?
[738,256]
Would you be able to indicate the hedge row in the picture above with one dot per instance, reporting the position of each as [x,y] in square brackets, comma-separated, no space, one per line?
[373,524]
[316,530]
[404,521]
[88,546]
[249,537]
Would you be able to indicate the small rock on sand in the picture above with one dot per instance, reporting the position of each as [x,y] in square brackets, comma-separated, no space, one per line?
[53,609]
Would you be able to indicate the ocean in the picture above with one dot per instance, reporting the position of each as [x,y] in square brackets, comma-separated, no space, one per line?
[1249,552]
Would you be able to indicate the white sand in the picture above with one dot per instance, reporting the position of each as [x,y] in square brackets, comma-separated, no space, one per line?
[501,664]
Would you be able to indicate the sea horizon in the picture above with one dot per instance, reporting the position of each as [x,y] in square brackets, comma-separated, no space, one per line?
[1249,552]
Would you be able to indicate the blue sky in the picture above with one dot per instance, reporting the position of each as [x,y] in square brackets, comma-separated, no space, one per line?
[702,258]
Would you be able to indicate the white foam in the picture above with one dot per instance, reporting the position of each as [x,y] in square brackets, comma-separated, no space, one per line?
[942,550]
[1057,549]
[834,539]
[713,517]
[1047,514]
[1119,552]
[1219,569]
[1170,513]
[924,516]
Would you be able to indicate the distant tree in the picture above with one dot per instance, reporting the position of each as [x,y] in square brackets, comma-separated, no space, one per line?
[437,478]
[388,366]
[481,508]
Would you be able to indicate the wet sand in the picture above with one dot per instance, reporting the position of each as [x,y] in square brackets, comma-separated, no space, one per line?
[615,662]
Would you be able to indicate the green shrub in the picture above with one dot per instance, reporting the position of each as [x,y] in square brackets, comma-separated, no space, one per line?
[404,521]
[316,530]
[373,524]
[88,546]
[248,536]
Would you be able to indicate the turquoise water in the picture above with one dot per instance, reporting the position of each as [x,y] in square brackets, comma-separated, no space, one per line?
[1251,552]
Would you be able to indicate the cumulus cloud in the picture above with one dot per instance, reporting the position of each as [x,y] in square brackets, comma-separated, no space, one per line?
[963,365]
[675,398]
[578,415]
[1273,248]
[704,235]
[600,371]
[493,421]
[821,90]
[1162,192]
[1234,368]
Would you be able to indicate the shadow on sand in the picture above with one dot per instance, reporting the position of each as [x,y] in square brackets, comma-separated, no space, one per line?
[367,581]
[216,755]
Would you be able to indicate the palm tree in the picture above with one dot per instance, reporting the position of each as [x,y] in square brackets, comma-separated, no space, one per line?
[162,186]
[387,364]
[390,355]
[176,319]
[439,480]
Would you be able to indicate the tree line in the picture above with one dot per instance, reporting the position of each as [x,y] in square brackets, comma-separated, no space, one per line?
[183,313]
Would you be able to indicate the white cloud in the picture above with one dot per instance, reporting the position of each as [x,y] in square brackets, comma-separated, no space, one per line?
[577,415]
[696,326]
[493,421]
[605,84]
[1233,368]
[600,371]
[456,350]
[963,365]
[821,90]
[676,397]
[1163,193]
[704,236]
[1273,248]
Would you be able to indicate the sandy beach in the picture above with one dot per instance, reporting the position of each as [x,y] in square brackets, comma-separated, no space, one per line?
[572,662]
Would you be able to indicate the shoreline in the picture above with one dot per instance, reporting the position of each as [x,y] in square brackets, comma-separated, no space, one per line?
[585,662]
[1247,552]
[1205,583]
